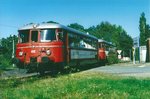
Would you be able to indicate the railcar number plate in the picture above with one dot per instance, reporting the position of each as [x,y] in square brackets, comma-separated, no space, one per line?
[32,51]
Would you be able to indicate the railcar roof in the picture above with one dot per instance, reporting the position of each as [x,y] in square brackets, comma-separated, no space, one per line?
[109,43]
[55,25]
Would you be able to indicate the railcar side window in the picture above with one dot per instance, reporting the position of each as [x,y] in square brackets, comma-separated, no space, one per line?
[79,41]
[74,40]
[60,36]
[89,43]
[24,36]
[47,35]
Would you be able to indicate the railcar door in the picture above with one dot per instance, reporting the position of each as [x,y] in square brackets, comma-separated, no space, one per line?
[33,51]
[63,36]
[34,36]
[66,48]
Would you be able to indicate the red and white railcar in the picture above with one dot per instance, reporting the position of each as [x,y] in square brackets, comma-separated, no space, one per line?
[50,45]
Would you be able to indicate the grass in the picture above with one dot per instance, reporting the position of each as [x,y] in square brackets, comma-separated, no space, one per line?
[75,86]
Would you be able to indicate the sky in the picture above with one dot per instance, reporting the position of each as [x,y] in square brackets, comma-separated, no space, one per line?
[126,13]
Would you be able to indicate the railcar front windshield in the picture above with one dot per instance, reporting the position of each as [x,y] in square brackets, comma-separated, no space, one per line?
[24,36]
[47,35]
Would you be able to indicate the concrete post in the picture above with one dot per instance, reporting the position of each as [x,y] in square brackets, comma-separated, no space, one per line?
[133,52]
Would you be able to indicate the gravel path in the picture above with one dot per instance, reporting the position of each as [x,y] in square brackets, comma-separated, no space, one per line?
[125,69]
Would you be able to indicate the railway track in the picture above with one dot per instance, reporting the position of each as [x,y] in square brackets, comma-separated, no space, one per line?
[21,73]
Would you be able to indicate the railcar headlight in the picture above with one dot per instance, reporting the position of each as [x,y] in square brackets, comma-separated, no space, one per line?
[48,52]
[20,53]
[43,49]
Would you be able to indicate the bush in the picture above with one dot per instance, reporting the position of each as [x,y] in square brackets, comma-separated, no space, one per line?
[4,62]
[112,58]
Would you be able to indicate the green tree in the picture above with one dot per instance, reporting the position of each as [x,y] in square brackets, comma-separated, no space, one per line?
[112,33]
[142,28]
[125,43]
[6,56]
[147,30]
[51,22]
[77,27]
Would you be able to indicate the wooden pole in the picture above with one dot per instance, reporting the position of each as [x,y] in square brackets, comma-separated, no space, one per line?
[148,50]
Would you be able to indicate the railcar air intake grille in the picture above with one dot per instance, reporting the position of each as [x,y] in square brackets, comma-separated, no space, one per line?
[33,59]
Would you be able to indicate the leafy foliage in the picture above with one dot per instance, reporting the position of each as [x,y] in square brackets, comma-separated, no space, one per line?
[112,58]
[77,27]
[112,33]
[144,29]
[147,30]
[6,55]
[52,22]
